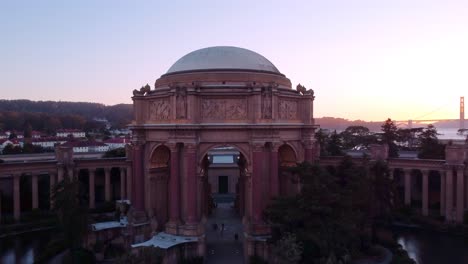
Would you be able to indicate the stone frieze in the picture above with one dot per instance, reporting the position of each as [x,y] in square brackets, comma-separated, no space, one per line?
[160,109]
[287,109]
[224,109]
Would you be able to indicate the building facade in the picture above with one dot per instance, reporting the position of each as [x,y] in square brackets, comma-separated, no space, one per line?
[212,100]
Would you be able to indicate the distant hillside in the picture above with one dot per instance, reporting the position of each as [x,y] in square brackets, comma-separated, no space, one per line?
[26,111]
[339,124]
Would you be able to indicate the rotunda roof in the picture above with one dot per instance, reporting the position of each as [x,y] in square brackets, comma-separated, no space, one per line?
[223,58]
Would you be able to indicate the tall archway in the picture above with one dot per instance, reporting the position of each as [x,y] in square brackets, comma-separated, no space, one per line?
[289,184]
[159,171]
[223,206]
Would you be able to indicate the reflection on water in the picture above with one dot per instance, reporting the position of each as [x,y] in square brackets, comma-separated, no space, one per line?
[23,248]
[433,248]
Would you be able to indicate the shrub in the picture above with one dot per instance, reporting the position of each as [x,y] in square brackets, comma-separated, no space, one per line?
[52,249]
[257,260]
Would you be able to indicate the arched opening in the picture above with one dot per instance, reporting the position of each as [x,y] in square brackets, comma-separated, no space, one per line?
[159,170]
[223,201]
[289,184]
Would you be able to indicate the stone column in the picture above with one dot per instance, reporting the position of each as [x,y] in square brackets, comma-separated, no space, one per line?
[174,192]
[51,189]
[35,193]
[71,174]
[425,191]
[407,175]
[107,184]
[257,185]
[466,189]
[92,187]
[442,192]
[60,174]
[247,198]
[448,194]
[241,194]
[460,195]
[122,183]
[129,183]
[274,180]
[16,196]
[138,184]
[190,160]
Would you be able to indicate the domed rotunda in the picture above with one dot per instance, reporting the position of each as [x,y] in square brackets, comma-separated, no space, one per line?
[210,98]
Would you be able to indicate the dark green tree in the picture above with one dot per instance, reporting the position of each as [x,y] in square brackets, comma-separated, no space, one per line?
[354,136]
[321,217]
[114,153]
[335,146]
[11,149]
[408,137]
[322,139]
[430,148]
[390,136]
[68,198]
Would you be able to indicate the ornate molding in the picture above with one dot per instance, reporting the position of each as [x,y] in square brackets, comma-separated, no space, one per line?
[230,109]
[183,133]
[265,133]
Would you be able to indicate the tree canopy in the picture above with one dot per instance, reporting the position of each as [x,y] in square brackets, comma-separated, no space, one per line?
[332,217]
[390,136]
[430,148]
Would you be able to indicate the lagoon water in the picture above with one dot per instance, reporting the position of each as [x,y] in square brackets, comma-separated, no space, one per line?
[22,248]
[427,247]
[423,246]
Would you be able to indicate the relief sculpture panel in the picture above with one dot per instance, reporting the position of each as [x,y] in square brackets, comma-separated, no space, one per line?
[224,109]
[160,109]
[287,109]
[266,105]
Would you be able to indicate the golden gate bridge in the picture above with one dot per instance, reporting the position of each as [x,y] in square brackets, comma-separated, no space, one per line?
[419,120]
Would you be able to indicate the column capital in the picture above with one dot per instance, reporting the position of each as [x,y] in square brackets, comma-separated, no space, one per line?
[107,169]
[406,170]
[172,146]
[425,172]
[257,146]
[190,147]
[275,146]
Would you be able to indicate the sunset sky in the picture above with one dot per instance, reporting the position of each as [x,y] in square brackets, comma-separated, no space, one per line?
[369,60]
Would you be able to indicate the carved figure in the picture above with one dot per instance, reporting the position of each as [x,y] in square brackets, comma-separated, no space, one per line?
[143,90]
[301,88]
[266,105]
[181,108]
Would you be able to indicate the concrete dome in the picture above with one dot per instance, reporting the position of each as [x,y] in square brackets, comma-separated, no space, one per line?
[223,58]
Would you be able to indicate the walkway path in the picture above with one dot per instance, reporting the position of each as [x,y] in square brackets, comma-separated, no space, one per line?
[221,246]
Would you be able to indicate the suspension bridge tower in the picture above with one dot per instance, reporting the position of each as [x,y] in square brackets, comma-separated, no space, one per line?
[462,112]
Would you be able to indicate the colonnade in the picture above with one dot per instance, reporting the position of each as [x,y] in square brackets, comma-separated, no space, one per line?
[55,176]
[453,186]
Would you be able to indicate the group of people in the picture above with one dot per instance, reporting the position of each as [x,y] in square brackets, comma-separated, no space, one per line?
[215,228]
